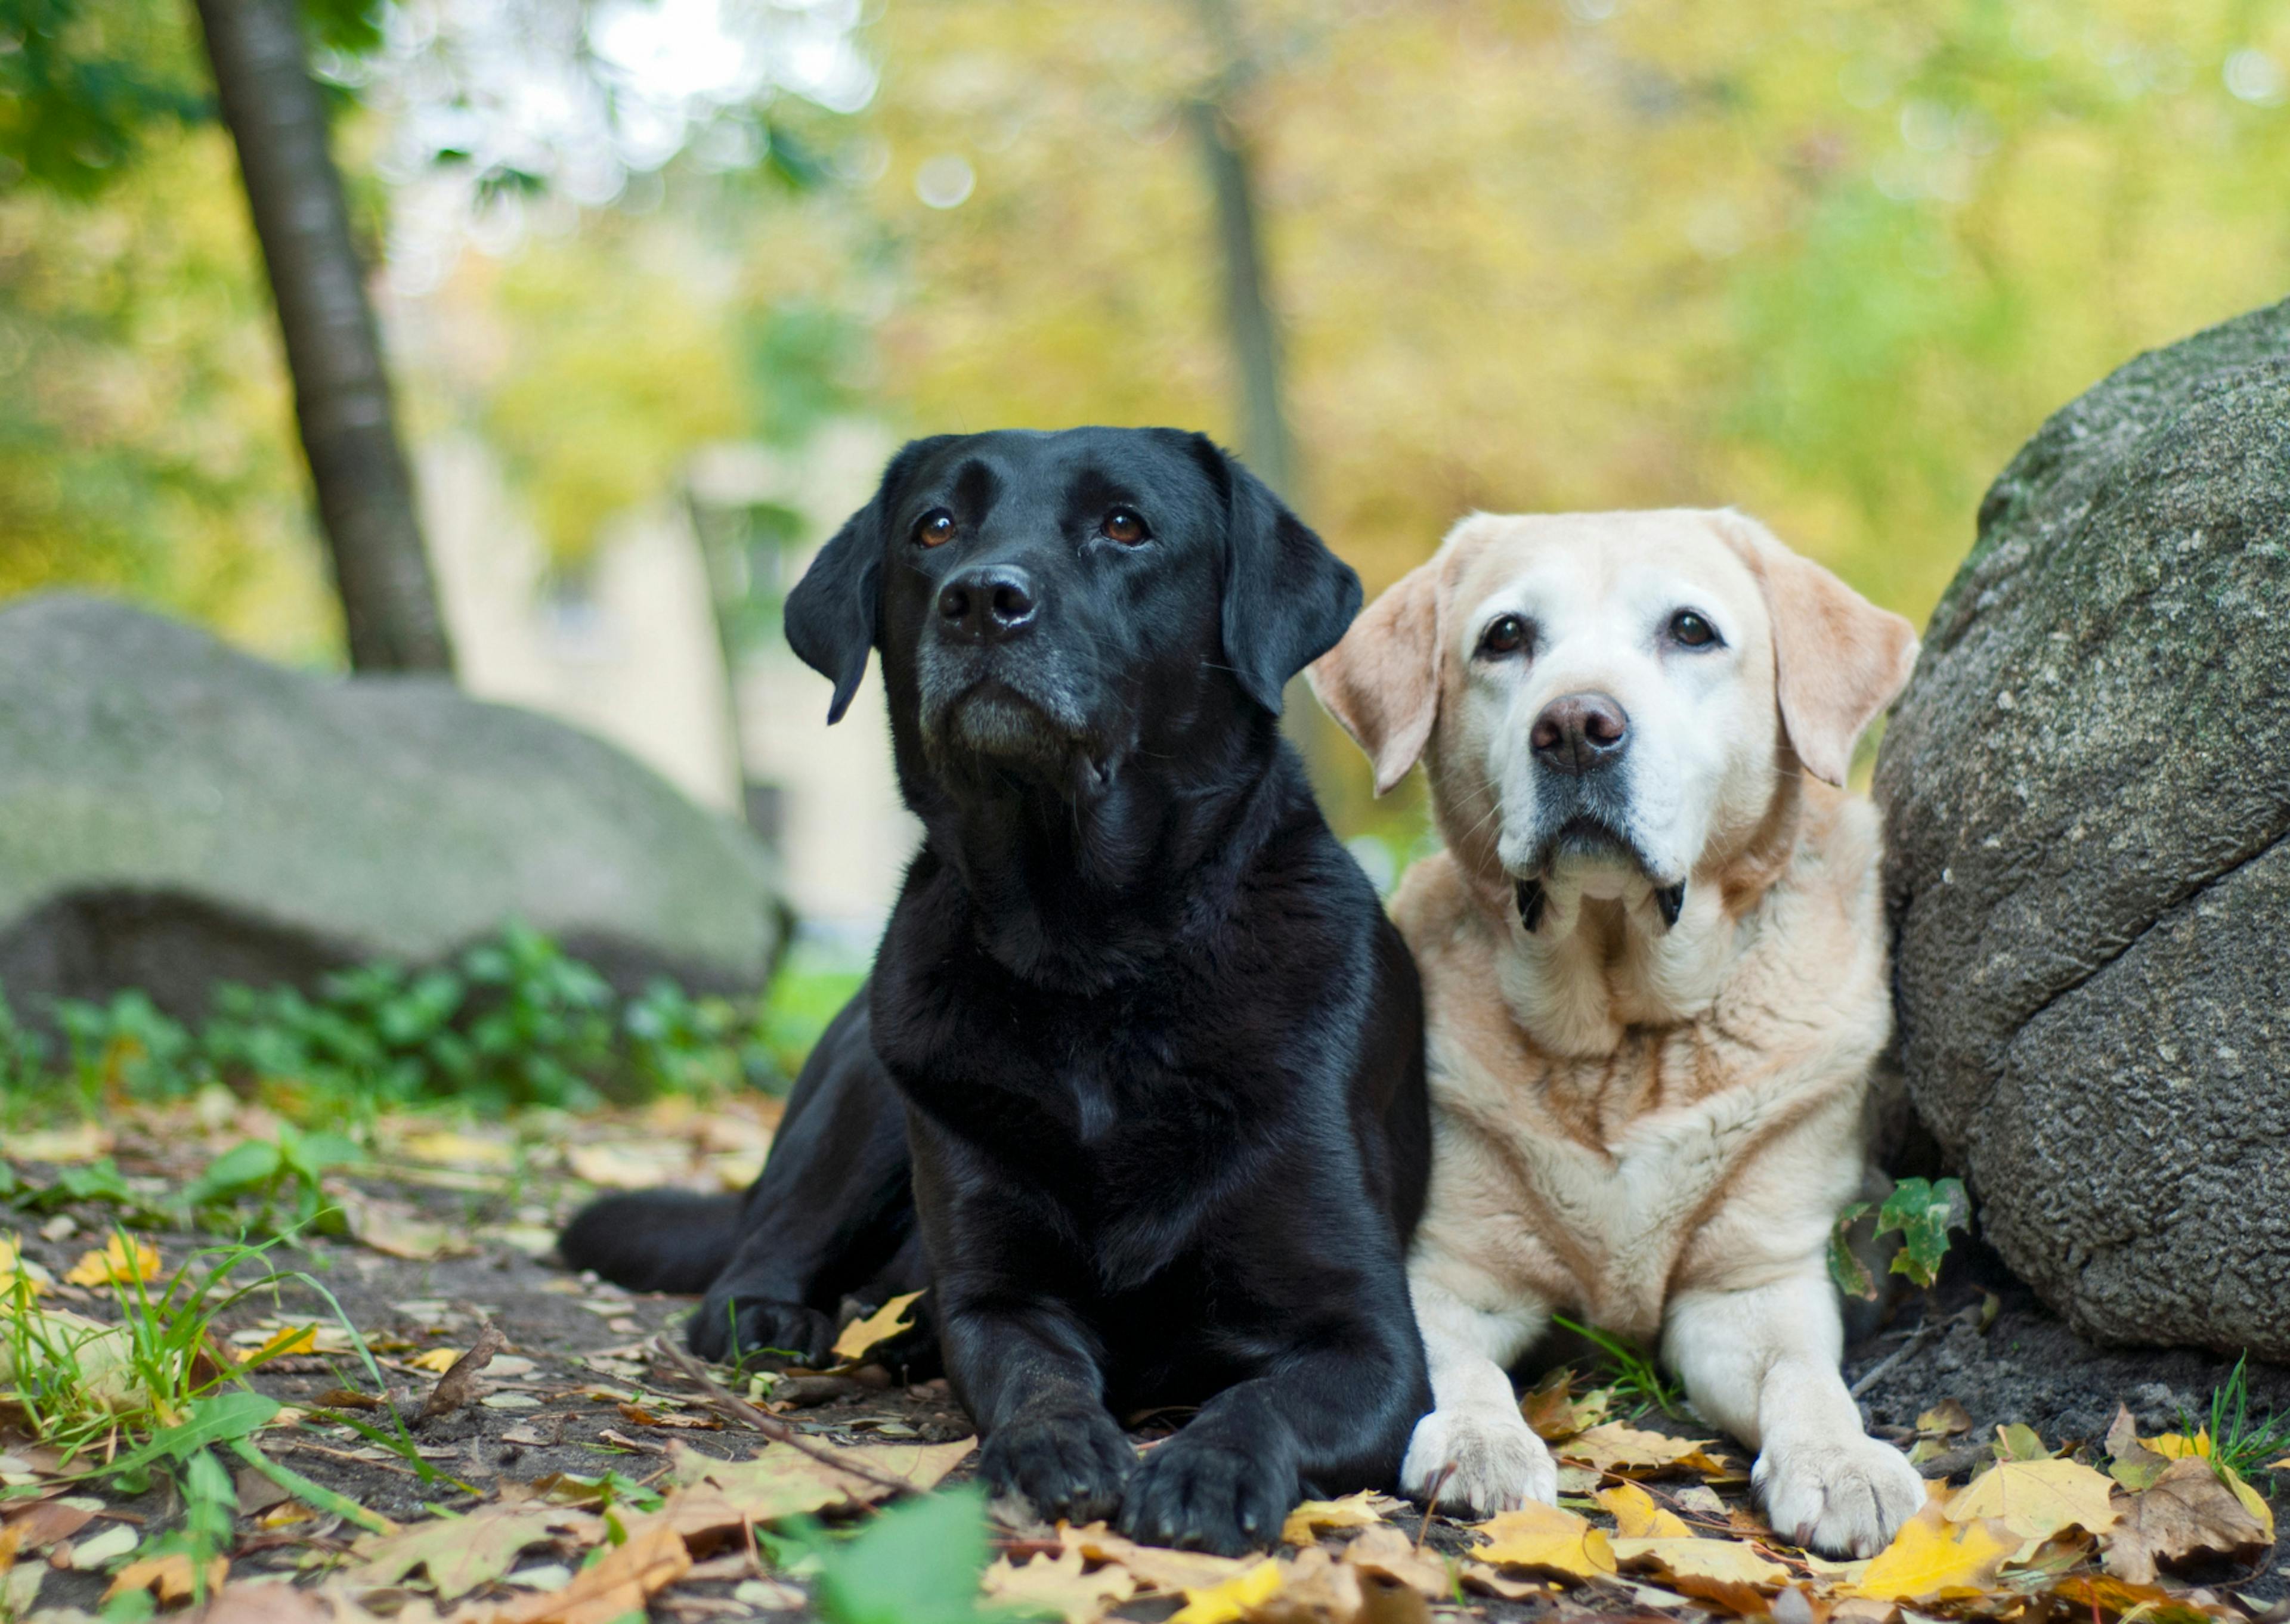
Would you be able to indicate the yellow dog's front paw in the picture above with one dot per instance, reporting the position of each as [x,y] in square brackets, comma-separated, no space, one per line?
[1497,1462]
[1843,1497]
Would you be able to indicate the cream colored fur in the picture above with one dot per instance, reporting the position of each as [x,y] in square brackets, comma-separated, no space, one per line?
[1651,1126]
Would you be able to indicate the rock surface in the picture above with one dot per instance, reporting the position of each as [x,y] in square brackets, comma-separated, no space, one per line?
[173,813]
[2086,791]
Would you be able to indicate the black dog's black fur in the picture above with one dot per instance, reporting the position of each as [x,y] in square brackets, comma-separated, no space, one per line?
[1159,1051]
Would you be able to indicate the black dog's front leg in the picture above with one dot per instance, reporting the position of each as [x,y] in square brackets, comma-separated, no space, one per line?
[1027,1369]
[1029,1374]
[1333,1416]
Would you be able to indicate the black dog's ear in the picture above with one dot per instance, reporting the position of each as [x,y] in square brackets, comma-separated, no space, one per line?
[1287,598]
[832,616]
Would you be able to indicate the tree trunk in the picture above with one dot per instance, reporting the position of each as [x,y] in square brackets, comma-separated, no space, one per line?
[1249,322]
[342,393]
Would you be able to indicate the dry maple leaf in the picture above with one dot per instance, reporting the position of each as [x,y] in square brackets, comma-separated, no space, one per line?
[169,1577]
[880,1326]
[2185,1513]
[1730,1561]
[119,1263]
[711,1498]
[1230,1598]
[1637,1517]
[1162,1570]
[619,1583]
[1547,1539]
[1388,1553]
[1059,1585]
[1626,1452]
[2036,1499]
[458,1385]
[461,1552]
[1364,1510]
[1933,1559]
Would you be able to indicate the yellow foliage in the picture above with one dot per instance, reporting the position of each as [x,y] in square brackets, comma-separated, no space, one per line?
[1549,1540]
[887,1321]
[121,1262]
[1637,1517]
[1933,1559]
[1229,1599]
[2036,1499]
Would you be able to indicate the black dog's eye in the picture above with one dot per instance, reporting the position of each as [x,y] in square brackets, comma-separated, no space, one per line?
[1125,525]
[936,528]
[1508,635]
[1689,630]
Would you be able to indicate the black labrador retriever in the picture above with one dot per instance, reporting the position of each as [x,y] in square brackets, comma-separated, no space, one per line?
[1137,1084]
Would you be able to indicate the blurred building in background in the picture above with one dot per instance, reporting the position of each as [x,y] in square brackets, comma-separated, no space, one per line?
[636,646]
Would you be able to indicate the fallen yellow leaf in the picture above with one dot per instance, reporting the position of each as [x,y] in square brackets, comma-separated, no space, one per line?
[2178,1445]
[116,1262]
[438,1361]
[445,1148]
[81,1143]
[880,1326]
[1388,1553]
[1360,1510]
[2036,1499]
[1229,1599]
[15,1267]
[1058,1585]
[621,1583]
[169,1577]
[1732,1560]
[1933,1559]
[1627,1451]
[287,1344]
[1637,1517]
[2184,1514]
[1547,1539]
[1150,1564]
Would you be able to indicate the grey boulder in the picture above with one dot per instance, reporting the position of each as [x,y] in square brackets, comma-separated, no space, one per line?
[174,813]
[2086,791]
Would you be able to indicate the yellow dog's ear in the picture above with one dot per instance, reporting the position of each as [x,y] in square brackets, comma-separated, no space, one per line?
[1838,660]
[1382,681]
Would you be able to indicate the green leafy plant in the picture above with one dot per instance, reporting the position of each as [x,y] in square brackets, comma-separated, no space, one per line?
[1923,1213]
[284,1174]
[514,1021]
[917,1562]
[1629,1370]
[2241,1443]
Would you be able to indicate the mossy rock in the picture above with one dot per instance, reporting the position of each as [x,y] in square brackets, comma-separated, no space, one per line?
[2086,792]
[173,813]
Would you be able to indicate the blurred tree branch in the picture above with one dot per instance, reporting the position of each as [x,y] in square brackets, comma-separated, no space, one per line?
[342,404]
[1250,328]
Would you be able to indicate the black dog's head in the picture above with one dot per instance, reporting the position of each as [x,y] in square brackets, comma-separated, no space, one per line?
[1048,605]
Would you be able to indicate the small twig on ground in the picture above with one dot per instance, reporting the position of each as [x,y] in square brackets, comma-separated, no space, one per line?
[1917,1338]
[458,1385]
[718,1396]
[304,1446]
[1438,1485]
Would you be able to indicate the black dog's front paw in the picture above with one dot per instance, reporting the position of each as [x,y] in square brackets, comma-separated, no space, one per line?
[1071,1465]
[1206,1493]
[729,1326]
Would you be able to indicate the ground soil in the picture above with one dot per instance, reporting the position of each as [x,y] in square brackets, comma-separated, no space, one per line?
[597,1395]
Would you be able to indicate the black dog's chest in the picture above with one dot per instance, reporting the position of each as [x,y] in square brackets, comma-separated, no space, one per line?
[1078,1096]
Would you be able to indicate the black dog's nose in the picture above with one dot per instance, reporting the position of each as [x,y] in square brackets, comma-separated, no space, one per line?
[988,602]
[1577,732]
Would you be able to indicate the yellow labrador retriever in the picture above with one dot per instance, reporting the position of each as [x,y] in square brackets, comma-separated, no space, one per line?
[1654,972]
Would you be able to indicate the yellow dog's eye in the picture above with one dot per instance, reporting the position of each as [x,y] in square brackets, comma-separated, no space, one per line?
[1507,635]
[936,528]
[1125,525]
[1690,630]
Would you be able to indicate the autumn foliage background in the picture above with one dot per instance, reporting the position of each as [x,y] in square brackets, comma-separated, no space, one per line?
[1830,260]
